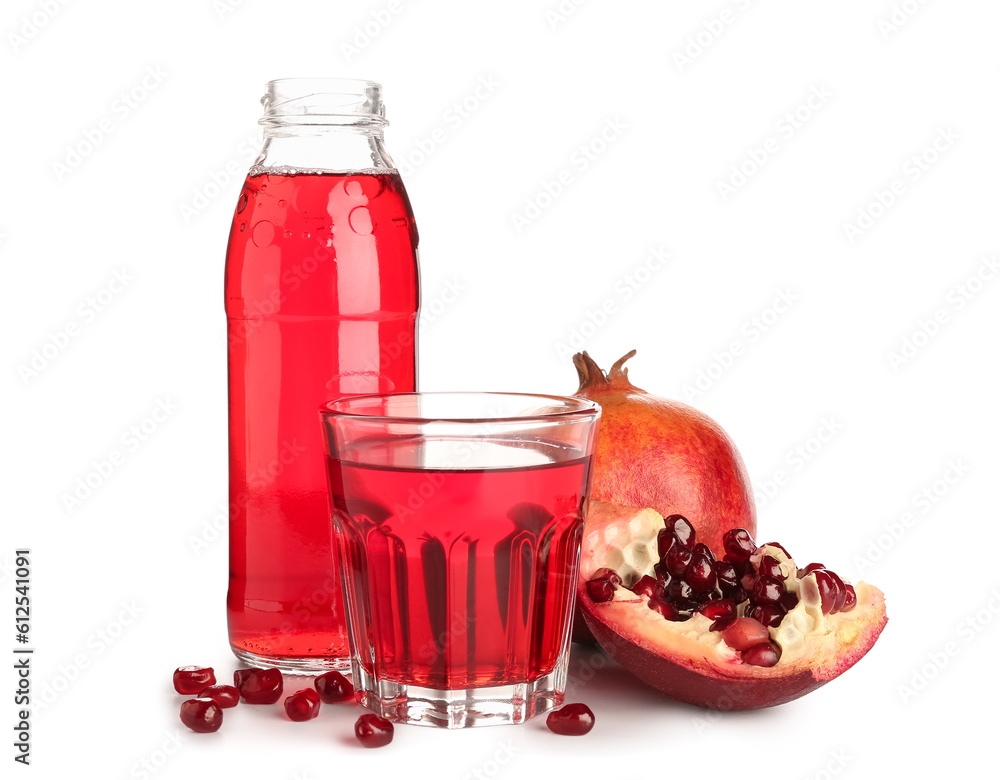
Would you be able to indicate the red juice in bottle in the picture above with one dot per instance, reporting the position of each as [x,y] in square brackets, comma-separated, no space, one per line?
[321,300]
[460,578]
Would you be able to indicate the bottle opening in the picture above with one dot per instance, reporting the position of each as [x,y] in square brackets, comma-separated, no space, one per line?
[322,101]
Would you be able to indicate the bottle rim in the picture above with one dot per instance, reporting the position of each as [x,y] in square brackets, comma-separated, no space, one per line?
[322,101]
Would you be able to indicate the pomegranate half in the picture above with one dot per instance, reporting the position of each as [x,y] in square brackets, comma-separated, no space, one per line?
[746,631]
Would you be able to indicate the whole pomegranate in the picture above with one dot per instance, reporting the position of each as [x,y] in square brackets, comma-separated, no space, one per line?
[663,454]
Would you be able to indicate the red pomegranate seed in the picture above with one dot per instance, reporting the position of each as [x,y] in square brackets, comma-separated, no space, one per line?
[201,715]
[373,731]
[850,598]
[259,686]
[646,586]
[665,610]
[573,720]
[682,529]
[700,574]
[765,654]
[719,609]
[767,590]
[608,574]
[738,544]
[789,600]
[770,567]
[302,705]
[225,696]
[600,590]
[240,676]
[193,679]
[721,624]
[827,590]
[809,569]
[333,687]
[841,591]
[745,632]
[769,614]
[677,559]
[663,578]
[705,550]
[726,574]
[681,595]
[780,547]
[748,580]
[665,539]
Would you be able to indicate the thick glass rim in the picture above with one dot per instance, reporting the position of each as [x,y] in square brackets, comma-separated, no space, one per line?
[321,100]
[577,408]
[333,84]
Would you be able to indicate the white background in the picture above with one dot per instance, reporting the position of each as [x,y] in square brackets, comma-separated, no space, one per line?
[131,583]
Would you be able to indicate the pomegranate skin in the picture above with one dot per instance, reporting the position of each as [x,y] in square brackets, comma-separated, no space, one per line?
[658,453]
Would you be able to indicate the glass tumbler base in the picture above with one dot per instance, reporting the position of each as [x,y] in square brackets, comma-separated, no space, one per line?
[456,709]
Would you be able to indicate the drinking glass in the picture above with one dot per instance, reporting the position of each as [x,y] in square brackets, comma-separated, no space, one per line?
[458,519]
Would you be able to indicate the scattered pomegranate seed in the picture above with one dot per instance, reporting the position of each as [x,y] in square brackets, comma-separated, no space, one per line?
[302,705]
[745,632]
[767,590]
[682,529]
[719,609]
[600,590]
[770,567]
[765,654]
[573,720]
[333,687]
[677,559]
[850,598]
[201,715]
[240,676]
[225,696]
[373,731]
[738,544]
[259,686]
[646,586]
[608,574]
[193,679]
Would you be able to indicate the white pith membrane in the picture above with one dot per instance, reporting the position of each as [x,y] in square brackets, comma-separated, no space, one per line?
[630,548]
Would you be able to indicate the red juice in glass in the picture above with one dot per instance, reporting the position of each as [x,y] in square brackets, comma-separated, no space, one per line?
[468,588]
[321,299]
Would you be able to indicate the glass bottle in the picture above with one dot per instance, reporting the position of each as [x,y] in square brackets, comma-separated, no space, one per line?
[321,300]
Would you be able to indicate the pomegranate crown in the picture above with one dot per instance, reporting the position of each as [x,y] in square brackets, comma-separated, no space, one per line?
[592,376]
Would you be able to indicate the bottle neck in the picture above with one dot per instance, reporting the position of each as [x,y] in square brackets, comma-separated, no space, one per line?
[323,148]
[323,125]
